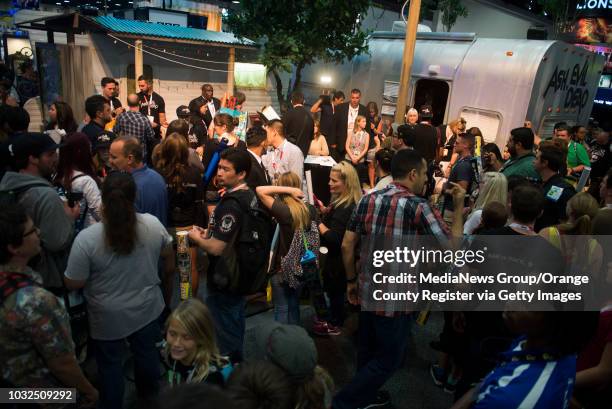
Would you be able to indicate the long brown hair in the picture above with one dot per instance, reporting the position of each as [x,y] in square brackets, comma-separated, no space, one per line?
[171,162]
[299,211]
[119,213]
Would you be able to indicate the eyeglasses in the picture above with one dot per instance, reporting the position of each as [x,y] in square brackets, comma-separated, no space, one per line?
[32,230]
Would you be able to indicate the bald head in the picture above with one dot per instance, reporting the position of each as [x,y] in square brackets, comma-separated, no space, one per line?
[132,101]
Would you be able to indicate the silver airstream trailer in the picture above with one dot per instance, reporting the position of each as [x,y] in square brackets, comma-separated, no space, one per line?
[495,84]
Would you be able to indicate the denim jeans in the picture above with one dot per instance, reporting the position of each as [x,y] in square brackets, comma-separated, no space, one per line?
[380,351]
[228,312]
[109,357]
[286,302]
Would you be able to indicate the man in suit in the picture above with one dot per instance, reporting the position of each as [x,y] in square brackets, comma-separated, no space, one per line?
[257,142]
[344,120]
[299,125]
[205,106]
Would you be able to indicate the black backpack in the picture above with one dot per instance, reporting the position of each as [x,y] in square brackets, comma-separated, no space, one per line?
[244,271]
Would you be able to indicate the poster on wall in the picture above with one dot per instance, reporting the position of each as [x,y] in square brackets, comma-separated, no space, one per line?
[50,73]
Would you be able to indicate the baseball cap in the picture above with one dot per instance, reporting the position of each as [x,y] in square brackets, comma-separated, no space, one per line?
[31,144]
[426,111]
[288,346]
[104,140]
[183,111]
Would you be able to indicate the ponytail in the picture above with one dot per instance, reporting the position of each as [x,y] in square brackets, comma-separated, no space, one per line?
[316,392]
[119,213]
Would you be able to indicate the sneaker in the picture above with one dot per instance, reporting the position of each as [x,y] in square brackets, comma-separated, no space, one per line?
[437,374]
[382,399]
[323,328]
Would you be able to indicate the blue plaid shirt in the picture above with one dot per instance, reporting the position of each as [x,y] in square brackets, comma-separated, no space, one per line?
[388,218]
[135,124]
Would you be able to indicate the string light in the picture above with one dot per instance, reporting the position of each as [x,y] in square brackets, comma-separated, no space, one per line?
[164,58]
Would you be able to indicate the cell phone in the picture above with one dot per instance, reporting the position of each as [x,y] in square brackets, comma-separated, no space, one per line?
[74,197]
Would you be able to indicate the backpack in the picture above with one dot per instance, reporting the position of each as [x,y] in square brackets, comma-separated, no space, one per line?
[244,270]
[293,269]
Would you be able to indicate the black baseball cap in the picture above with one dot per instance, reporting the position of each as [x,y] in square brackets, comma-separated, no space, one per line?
[31,144]
[183,111]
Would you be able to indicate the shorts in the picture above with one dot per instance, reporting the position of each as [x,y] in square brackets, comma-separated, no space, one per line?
[370,155]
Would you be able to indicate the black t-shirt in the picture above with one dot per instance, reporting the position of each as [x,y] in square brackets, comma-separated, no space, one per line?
[152,105]
[426,142]
[198,134]
[601,159]
[373,123]
[178,373]
[186,207]
[462,171]
[557,192]
[114,103]
[211,145]
[224,224]
[93,130]
[327,123]
[449,146]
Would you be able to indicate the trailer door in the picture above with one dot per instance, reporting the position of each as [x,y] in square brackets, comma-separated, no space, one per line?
[434,93]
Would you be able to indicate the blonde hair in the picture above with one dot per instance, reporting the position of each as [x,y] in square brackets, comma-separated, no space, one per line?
[494,189]
[195,318]
[316,391]
[298,209]
[349,176]
[583,208]
[359,118]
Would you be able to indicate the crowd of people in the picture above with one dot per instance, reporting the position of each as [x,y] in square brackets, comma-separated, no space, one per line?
[91,215]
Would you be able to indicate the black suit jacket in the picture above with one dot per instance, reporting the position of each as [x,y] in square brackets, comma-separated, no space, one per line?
[257,176]
[299,127]
[340,124]
[193,107]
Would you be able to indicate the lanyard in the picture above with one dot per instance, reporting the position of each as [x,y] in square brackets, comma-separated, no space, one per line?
[240,186]
[148,102]
[280,157]
[172,375]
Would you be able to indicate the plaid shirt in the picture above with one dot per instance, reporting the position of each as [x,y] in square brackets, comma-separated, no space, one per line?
[135,124]
[385,219]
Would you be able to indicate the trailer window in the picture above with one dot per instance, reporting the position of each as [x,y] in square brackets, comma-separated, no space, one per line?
[434,93]
[488,122]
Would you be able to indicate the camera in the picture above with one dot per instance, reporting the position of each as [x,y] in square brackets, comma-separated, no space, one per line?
[74,197]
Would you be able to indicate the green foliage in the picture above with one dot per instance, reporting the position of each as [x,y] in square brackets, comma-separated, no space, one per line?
[562,12]
[451,11]
[297,33]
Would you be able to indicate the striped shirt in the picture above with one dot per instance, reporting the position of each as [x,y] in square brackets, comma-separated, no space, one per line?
[528,380]
[390,218]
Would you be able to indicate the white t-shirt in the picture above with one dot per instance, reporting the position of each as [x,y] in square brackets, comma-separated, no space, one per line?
[472,222]
[352,115]
[91,196]
[122,291]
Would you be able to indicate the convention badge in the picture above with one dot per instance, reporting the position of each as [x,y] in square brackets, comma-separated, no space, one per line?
[554,193]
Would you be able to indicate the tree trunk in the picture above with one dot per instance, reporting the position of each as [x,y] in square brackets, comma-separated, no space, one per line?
[279,90]
[298,77]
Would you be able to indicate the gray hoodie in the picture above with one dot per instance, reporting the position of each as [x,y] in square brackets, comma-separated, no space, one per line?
[46,209]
